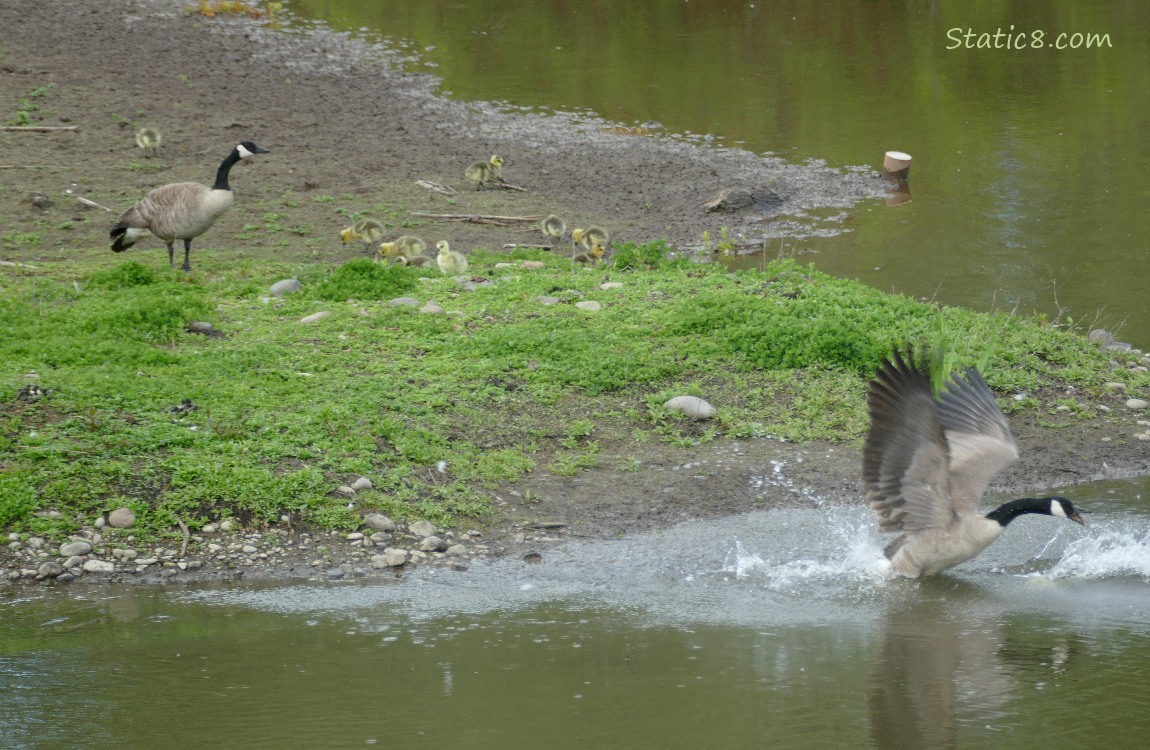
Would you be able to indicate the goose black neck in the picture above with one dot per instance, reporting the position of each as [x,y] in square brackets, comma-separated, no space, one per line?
[221,182]
[1007,512]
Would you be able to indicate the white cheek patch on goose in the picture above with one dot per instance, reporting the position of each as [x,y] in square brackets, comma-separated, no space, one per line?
[1056,509]
[243,152]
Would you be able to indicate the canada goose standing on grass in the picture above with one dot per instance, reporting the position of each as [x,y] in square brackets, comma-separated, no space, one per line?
[449,261]
[368,231]
[407,246]
[149,140]
[181,210]
[482,172]
[553,227]
[927,462]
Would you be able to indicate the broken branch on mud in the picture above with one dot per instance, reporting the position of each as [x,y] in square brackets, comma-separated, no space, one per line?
[477,218]
[38,128]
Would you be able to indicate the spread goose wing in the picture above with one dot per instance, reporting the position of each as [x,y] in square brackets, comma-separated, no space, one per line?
[906,459]
[981,444]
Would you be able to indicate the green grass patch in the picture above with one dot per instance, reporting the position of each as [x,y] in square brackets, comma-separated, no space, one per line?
[271,416]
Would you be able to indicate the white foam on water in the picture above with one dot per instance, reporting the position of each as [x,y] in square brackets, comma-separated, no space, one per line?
[1107,551]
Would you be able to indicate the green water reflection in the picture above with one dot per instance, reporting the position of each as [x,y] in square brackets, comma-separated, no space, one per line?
[121,668]
[1029,173]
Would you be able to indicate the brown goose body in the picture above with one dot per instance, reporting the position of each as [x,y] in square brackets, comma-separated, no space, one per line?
[180,210]
[927,463]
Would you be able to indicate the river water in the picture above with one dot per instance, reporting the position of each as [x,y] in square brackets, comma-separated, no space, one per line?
[783,628]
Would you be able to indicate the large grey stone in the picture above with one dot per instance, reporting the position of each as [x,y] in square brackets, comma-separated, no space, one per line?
[70,549]
[422,528]
[286,286]
[121,518]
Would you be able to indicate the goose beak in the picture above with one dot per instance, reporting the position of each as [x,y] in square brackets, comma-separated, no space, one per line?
[1076,517]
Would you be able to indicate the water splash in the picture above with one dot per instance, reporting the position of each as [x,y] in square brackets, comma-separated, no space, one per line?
[1104,553]
[852,556]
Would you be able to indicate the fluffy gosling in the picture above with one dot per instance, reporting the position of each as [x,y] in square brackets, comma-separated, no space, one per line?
[367,231]
[407,246]
[449,261]
[149,140]
[482,172]
[553,227]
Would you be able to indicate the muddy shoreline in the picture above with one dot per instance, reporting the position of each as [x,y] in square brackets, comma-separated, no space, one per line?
[343,117]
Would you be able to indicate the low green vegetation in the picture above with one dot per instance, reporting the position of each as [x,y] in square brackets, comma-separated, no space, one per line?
[106,399]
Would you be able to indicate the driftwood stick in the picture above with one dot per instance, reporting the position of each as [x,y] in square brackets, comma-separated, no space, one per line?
[16,265]
[516,245]
[187,535]
[475,217]
[91,204]
[429,185]
[38,128]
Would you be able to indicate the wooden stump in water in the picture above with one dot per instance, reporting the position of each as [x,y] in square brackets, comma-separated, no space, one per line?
[896,164]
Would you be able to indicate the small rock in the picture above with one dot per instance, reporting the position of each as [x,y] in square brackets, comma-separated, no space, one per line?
[208,528]
[363,483]
[404,302]
[1116,386]
[432,544]
[49,570]
[227,524]
[99,522]
[145,562]
[343,489]
[456,550]
[532,557]
[200,326]
[99,566]
[690,406]
[121,518]
[1143,436]
[378,522]
[70,549]
[249,549]
[73,562]
[506,265]
[315,316]
[286,286]
[589,305]
[422,529]
[431,309]
[1137,403]
[36,542]
[395,557]
[355,536]
[533,265]
[545,300]
[610,285]
[1101,336]
[335,574]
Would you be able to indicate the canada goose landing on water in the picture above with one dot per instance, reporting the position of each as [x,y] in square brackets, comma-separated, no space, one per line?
[553,227]
[482,172]
[449,261]
[181,210]
[149,140]
[368,231]
[927,461]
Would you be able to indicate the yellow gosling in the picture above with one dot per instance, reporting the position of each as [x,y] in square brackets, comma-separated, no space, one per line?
[449,261]
[482,172]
